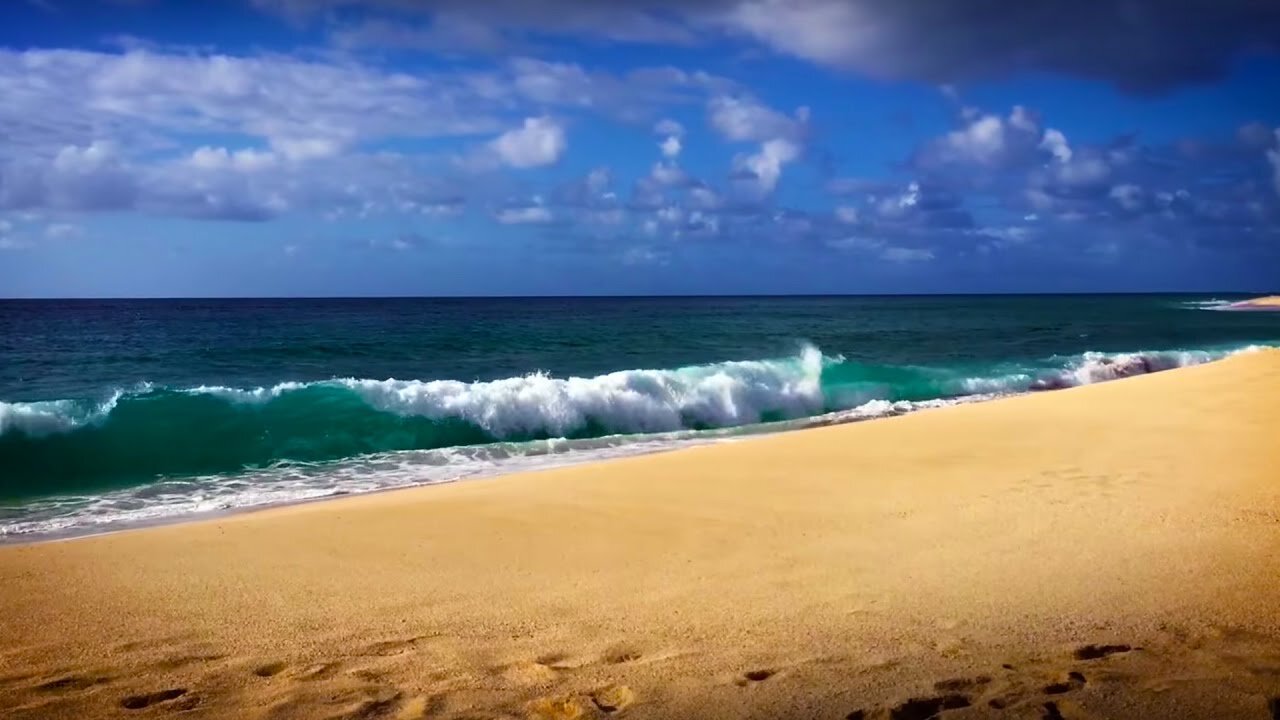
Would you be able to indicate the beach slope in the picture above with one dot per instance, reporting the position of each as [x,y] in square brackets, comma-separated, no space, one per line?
[1110,551]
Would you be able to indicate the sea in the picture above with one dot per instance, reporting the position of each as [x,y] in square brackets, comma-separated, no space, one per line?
[118,413]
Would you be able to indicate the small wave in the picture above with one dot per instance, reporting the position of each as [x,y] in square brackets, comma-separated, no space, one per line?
[1095,367]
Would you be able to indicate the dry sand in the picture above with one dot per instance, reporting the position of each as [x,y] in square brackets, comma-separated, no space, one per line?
[1270,302]
[1103,552]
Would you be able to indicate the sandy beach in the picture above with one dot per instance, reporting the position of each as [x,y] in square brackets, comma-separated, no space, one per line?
[1110,551]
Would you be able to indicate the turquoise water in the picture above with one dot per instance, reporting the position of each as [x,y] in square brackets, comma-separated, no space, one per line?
[128,411]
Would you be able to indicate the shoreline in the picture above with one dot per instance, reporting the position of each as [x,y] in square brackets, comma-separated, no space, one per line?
[723,435]
[1107,552]
[716,436]
[1267,303]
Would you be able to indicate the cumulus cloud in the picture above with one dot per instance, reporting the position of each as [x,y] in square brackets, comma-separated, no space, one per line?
[992,140]
[290,103]
[77,178]
[881,249]
[532,214]
[765,166]
[645,255]
[1128,196]
[248,159]
[539,141]
[61,231]
[745,119]
[669,127]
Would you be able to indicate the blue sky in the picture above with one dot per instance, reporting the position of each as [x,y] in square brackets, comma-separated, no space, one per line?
[400,147]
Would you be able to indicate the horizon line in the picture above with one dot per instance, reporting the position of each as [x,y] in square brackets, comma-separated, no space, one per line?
[633,296]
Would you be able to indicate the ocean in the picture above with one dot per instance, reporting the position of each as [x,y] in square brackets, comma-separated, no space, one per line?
[126,412]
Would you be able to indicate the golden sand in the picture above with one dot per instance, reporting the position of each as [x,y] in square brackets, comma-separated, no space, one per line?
[1270,301]
[1110,551]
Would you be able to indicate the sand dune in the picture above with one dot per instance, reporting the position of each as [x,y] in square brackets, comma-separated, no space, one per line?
[1111,551]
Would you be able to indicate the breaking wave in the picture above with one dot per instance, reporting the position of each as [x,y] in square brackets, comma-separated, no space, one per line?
[209,447]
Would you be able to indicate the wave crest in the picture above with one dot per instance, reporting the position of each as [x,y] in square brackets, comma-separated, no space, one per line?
[148,433]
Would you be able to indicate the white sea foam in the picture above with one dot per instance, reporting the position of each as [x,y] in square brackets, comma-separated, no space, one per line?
[52,416]
[1213,304]
[721,395]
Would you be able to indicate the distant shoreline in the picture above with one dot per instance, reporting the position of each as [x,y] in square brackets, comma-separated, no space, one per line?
[1266,303]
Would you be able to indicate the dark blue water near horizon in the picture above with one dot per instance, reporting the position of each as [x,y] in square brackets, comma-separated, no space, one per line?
[116,410]
[73,348]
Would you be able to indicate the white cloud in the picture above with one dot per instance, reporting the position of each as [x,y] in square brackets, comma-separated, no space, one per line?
[668,173]
[526,215]
[90,177]
[671,214]
[989,139]
[847,214]
[311,148]
[7,241]
[1082,170]
[248,159]
[1273,157]
[743,119]
[139,95]
[599,180]
[670,147]
[704,198]
[902,204]
[59,231]
[667,126]
[825,31]
[766,165]
[1056,143]
[539,141]
[881,249]
[1128,196]
[905,254]
[644,255]
[1007,235]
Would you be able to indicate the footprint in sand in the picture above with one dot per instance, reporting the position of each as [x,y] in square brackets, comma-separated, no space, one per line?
[754,676]
[1095,652]
[269,670]
[925,708]
[389,648]
[955,685]
[554,709]
[928,708]
[139,702]
[528,673]
[1050,711]
[613,698]
[1074,681]
[619,654]
[71,682]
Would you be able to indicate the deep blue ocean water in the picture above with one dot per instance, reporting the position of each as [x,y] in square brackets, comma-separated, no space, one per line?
[117,412]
